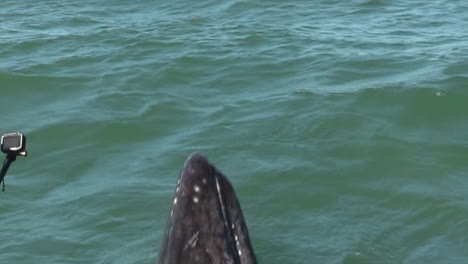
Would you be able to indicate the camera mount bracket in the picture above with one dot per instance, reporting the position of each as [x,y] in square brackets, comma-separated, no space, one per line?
[12,144]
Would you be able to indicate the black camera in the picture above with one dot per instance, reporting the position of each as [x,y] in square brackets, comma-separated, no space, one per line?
[14,144]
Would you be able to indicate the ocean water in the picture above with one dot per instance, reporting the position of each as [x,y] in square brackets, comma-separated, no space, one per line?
[343,125]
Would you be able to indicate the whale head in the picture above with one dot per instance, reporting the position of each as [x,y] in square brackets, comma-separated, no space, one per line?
[206,224]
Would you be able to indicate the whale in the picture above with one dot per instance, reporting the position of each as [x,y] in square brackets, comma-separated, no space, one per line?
[206,224]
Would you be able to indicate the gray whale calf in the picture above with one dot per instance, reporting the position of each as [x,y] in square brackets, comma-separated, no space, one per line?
[206,224]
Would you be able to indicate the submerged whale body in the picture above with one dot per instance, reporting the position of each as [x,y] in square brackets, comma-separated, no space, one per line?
[206,224]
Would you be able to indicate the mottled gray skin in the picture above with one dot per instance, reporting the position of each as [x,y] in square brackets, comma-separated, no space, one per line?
[206,223]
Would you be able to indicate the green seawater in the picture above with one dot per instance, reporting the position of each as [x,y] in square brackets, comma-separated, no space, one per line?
[343,125]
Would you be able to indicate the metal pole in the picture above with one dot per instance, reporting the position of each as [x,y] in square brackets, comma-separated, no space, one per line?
[6,165]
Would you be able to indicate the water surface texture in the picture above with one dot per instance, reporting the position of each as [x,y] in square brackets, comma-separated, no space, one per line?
[343,126]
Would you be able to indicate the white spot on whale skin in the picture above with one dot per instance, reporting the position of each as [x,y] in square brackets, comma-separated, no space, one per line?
[204,180]
[196,188]
[195,199]
[175,200]
[238,245]
[192,241]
